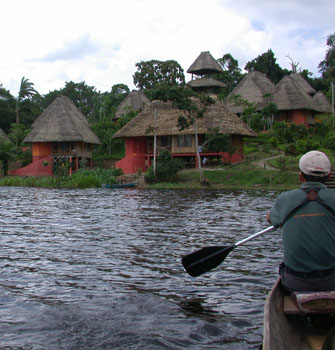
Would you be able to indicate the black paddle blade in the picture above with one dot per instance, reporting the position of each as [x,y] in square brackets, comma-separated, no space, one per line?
[205,259]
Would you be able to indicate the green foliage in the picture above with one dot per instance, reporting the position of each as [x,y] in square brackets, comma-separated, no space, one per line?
[17,133]
[306,145]
[329,140]
[23,100]
[245,176]
[327,66]
[216,142]
[84,178]
[154,72]
[274,142]
[266,63]
[7,152]
[166,168]
[289,133]
[7,109]
[231,75]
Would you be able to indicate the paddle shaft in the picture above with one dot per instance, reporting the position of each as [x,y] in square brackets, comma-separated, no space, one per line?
[253,236]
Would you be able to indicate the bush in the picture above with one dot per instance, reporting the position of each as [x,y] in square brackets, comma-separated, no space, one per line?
[166,168]
[306,145]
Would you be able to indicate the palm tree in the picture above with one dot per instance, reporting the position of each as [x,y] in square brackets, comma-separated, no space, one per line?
[26,91]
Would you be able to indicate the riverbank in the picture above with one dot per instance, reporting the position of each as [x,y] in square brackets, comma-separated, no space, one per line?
[250,175]
[239,177]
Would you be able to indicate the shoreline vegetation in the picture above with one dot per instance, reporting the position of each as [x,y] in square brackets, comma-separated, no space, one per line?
[276,173]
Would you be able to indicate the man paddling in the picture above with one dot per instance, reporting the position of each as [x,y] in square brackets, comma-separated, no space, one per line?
[307,216]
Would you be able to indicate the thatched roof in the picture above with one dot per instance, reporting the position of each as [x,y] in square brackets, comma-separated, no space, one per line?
[135,101]
[206,83]
[252,88]
[205,64]
[3,136]
[290,95]
[61,121]
[322,102]
[216,116]
[299,79]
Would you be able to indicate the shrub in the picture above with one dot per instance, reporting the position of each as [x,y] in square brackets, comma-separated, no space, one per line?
[166,168]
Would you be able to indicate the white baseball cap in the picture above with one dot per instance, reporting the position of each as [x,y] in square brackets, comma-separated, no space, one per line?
[315,163]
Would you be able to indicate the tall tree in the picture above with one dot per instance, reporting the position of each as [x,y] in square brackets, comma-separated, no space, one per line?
[7,151]
[23,100]
[231,75]
[83,96]
[154,72]
[266,63]
[327,68]
[7,109]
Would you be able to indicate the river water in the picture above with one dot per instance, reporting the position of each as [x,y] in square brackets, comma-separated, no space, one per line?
[101,269]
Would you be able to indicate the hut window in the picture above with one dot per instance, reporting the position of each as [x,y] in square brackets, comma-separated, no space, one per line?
[165,141]
[65,146]
[184,141]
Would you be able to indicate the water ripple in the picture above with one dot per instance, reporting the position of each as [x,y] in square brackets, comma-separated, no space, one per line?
[99,268]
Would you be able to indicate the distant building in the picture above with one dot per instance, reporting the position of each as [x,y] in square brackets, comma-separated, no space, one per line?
[295,99]
[61,135]
[135,101]
[255,87]
[161,119]
[205,67]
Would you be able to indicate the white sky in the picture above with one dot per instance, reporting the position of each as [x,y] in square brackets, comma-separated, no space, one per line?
[99,42]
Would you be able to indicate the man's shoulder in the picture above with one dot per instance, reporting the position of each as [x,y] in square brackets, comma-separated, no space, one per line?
[291,193]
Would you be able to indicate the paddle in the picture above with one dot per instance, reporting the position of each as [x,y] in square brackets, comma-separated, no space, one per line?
[206,259]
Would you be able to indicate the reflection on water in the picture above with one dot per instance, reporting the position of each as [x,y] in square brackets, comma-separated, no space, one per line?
[101,269]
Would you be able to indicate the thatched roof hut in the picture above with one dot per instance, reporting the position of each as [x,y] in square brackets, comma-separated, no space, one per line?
[253,87]
[291,95]
[299,79]
[206,83]
[322,102]
[135,101]
[62,121]
[205,64]
[216,116]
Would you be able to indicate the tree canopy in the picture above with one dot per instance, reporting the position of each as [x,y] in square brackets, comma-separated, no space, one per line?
[266,63]
[232,73]
[154,72]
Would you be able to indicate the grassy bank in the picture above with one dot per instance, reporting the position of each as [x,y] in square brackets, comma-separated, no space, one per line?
[82,179]
[243,176]
[232,177]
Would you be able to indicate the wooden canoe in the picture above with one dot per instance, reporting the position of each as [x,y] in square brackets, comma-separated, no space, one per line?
[286,327]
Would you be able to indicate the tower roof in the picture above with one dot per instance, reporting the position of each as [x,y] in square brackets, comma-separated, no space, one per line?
[205,64]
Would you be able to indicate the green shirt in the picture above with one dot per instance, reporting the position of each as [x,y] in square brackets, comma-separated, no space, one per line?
[308,235]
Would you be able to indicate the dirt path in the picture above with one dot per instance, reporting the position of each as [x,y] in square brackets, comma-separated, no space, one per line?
[263,163]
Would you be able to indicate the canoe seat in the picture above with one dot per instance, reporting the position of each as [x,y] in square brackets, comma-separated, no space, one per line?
[309,302]
[314,302]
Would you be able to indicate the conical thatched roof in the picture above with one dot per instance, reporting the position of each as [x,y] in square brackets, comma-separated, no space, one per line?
[216,116]
[322,102]
[290,95]
[135,101]
[206,83]
[3,136]
[252,88]
[62,121]
[299,79]
[205,64]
